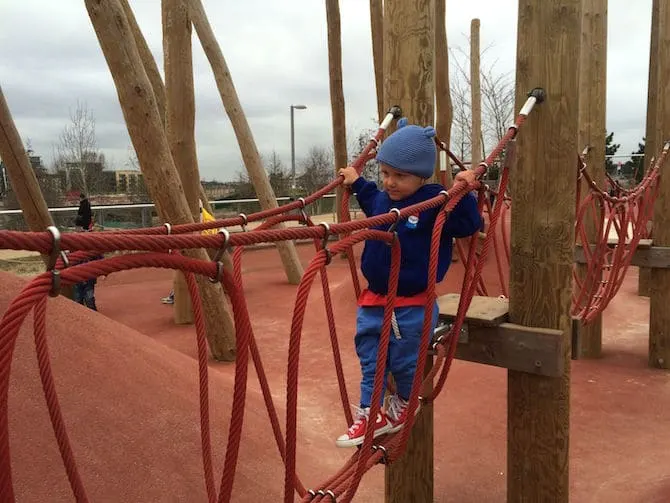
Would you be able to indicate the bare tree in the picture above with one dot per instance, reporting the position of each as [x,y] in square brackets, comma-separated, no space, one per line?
[317,169]
[497,89]
[77,151]
[279,179]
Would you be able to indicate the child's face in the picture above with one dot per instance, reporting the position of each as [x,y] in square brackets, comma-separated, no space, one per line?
[398,184]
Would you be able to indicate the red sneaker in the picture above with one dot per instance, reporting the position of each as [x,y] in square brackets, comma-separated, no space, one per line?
[397,410]
[356,432]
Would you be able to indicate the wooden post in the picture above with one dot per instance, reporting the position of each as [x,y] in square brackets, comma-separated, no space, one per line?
[476,94]
[651,145]
[409,82]
[180,125]
[146,131]
[250,155]
[336,91]
[659,318]
[592,108]
[542,244]
[21,174]
[443,105]
[377,31]
[158,87]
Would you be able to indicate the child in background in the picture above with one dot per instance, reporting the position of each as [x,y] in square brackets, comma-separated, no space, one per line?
[407,159]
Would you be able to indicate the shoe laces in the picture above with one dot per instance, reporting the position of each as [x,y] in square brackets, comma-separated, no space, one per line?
[396,405]
[360,415]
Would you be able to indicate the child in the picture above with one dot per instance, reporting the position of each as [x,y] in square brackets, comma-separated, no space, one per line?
[407,159]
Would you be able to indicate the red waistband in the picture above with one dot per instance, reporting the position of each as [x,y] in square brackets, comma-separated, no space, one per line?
[371,299]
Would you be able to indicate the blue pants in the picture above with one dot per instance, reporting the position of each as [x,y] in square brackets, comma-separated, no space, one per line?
[402,352]
[84,293]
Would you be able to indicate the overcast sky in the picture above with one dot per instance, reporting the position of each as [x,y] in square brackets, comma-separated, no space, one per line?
[277,54]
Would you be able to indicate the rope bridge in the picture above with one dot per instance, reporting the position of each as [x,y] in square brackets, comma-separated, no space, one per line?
[157,247]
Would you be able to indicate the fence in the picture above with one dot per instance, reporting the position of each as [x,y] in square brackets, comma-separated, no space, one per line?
[128,216]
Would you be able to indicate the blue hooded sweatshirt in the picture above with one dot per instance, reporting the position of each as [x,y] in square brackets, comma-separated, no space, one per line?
[414,236]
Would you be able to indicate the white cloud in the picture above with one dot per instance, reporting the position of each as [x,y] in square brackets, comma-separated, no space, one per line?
[277,55]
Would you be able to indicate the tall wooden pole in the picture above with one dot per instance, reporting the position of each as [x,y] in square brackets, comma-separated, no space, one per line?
[409,39]
[336,90]
[475,93]
[250,155]
[592,108]
[377,30]
[542,243]
[651,145]
[138,104]
[443,105]
[180,125]
[21,174]
[659,319]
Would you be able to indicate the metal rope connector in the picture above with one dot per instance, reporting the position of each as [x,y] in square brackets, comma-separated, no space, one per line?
[53,259]
[385,457]
[219,255]
[324,242]
[245,221]
[303,213]
[168,231]
[312,493]
[397,219]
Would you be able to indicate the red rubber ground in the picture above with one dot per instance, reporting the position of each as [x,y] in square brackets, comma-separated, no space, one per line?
[128,389]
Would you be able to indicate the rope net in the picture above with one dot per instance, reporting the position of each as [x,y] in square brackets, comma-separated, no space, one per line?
[157,247]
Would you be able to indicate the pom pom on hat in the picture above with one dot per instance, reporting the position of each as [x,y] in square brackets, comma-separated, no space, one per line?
[410,149]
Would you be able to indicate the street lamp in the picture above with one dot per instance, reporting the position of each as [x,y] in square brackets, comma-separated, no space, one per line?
[293,107]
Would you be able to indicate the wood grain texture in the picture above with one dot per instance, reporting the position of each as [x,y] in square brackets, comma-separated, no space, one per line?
[592,132]
[443,105]
[336,90]
[377,32]
[475,94]
[409,82]
[542,242]
[659,319]
[145,127]
[652,145]
[180,125]
[245,139]
[20,172]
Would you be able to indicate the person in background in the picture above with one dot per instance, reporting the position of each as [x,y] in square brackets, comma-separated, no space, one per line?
[84,213]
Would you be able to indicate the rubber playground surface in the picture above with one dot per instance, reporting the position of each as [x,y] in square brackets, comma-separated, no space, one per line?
[127,384]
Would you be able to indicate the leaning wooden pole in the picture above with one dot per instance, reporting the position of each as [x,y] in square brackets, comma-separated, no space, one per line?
[336,90]
[587,339]
[146,131]
[475,94]
[542,244]
[443,106]
[21,174]
[408,62]
[180,125]
[651,145]
[250,155]
[377,31]
[659,293]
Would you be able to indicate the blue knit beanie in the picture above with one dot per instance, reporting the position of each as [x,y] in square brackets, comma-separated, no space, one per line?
[410,149]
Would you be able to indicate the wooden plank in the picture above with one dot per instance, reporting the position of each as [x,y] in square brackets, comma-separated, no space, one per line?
[657,257]
[531,350]
[482,310]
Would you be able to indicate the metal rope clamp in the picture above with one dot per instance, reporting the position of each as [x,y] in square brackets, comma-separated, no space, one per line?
[219,255]
[168,231]
[385,455]
[303,213]
[392,227]
[245,222]
[53,259]
[324,242]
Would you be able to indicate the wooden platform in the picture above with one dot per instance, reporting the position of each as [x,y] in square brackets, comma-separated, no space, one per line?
[646,255]
[487,337]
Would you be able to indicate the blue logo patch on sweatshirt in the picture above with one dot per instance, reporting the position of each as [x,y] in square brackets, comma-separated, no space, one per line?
[412,222]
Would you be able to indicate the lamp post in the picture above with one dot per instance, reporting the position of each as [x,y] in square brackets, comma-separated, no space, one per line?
[293,107]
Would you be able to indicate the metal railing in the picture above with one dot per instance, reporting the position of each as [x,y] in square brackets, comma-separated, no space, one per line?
[128,216]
